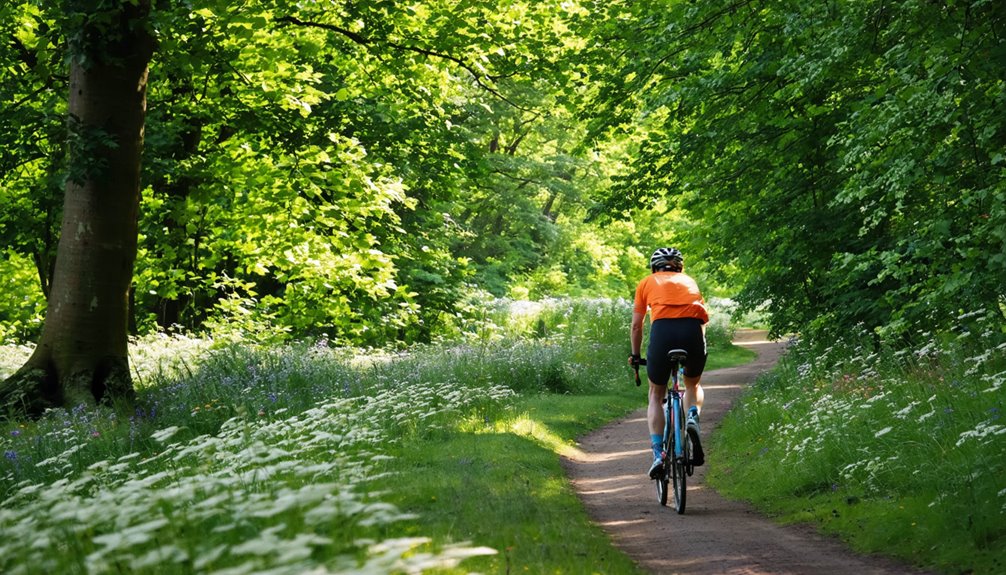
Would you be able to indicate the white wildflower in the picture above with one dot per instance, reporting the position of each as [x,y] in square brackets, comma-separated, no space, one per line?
[162,435]
[903,413]
[981,431]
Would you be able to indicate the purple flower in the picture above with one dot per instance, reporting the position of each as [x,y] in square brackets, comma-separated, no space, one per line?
[15,432]
[10,455]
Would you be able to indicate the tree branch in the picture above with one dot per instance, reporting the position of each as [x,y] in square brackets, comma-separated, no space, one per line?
[369,43]
[687,32]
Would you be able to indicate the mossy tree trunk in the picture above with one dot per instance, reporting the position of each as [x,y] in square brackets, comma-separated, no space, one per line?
[81,356]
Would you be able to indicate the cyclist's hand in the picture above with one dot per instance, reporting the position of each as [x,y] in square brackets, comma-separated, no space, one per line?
[635,360]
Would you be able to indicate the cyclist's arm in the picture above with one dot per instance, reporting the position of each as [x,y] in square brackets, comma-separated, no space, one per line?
[636,332]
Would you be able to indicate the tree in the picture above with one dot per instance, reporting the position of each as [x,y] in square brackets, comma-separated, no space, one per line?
[82,354]
[848,157]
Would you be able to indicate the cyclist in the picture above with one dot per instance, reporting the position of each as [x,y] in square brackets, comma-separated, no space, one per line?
[678,318]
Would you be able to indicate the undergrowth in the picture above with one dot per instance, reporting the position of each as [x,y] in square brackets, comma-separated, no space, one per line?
[248,458]
[901,451]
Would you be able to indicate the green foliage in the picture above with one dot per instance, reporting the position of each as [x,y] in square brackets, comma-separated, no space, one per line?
[21,308]
[846,161]
[33,129]
[343,171]
[359,170]
[896,450]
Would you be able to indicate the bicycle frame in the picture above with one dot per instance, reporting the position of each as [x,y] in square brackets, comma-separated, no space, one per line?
[675,454]
[673,411]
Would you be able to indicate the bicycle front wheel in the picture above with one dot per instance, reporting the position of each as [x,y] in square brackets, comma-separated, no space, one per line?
[662,482]
[679,467]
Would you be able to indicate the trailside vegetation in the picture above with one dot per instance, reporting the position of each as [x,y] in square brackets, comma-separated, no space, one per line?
[245,458]
[897,449]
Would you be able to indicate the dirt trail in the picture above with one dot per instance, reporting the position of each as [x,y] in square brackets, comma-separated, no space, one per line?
[714,536]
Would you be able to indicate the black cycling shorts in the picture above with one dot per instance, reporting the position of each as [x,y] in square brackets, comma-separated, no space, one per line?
[678,333]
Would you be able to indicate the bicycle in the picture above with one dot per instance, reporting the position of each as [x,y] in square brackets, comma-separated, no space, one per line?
[676,446]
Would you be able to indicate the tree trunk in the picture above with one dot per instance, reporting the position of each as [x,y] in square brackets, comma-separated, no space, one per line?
[82,354]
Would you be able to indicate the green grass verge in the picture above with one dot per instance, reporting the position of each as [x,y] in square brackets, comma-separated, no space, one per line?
[899,452]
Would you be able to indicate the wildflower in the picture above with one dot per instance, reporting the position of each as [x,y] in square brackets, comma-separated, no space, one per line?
[165,434]
[15,432]
[10,455]
[883,432]
[981,431]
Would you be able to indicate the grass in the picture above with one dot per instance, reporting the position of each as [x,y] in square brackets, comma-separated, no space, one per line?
[499,482]
[303,458]
[898,451]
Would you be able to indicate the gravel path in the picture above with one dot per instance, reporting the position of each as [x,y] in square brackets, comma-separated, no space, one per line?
[714,535]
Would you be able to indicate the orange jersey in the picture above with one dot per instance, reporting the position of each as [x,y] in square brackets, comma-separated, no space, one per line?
[670,295]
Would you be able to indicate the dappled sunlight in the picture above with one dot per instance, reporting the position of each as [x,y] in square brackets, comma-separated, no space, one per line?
[594,457]
[707,386]
[609,485]
[529,428]
[620,523]
[755,343]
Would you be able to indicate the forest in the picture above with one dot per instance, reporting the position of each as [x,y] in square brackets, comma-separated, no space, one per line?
[232,232]
[369,170]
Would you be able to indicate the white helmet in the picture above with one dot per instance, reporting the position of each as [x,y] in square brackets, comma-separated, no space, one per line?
[666,258]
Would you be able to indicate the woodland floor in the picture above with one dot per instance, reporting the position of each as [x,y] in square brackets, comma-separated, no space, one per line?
[715,535]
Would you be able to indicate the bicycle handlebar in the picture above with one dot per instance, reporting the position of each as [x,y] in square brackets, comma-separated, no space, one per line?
[635,368]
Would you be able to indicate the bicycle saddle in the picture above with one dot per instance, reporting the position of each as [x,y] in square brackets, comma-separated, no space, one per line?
[678,355]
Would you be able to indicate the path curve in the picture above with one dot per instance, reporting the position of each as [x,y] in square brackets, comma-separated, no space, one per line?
[714,536]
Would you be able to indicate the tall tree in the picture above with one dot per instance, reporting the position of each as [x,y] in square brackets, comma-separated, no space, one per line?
[82,353]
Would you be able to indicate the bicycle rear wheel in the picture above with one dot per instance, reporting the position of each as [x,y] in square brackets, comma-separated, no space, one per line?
[679,478]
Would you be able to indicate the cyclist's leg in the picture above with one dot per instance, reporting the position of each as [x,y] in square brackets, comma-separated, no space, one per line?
[658,372]
[655,409]
[694,395]
[695,344]
[655,420]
